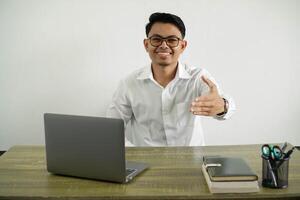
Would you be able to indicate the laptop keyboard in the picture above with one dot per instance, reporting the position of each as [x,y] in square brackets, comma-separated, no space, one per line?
[130,171]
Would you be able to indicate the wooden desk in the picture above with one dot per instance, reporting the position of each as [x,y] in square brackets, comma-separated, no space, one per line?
[175,173]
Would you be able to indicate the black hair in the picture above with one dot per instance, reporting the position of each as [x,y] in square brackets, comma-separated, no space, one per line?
[165,18]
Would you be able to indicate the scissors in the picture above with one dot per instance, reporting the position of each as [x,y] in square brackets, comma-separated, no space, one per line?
[271,152]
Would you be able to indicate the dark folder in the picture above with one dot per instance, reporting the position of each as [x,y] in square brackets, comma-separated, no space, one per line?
[228,169]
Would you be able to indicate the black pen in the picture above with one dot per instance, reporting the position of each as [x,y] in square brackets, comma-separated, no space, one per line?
[288,154]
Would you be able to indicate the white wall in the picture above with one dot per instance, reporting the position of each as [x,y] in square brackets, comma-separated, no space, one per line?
[68,56]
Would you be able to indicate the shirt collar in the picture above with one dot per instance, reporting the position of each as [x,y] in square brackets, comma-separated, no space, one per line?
[146,73]
[181,73]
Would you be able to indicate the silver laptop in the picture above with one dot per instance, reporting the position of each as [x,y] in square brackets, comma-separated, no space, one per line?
[88,147]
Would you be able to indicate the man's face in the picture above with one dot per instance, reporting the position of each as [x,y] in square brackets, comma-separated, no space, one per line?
[166,53]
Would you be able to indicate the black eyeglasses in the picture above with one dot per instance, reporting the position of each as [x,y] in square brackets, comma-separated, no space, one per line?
[171,41]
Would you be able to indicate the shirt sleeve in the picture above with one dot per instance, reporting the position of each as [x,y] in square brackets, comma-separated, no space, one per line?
[120,107]
[204,89]
[231,108]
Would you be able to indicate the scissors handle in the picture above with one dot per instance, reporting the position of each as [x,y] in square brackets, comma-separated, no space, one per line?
[272,152]
[277,152]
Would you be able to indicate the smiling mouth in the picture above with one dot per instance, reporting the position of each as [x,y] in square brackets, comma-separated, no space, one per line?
[164,53]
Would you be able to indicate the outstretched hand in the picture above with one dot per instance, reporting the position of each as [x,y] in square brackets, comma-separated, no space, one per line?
[209,104]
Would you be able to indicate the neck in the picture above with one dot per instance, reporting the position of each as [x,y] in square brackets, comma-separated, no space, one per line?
[164,74]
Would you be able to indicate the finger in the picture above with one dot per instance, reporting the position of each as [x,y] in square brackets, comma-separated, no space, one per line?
[202,104]
[211,85]
[201,109]
[201,113]
[205,98]
[205,103]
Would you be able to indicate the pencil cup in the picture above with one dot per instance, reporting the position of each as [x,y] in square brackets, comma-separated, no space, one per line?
[275,174]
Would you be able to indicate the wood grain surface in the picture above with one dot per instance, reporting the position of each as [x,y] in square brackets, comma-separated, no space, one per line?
[174,173]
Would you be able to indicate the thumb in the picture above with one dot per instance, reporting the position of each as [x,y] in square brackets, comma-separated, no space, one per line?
[211,85]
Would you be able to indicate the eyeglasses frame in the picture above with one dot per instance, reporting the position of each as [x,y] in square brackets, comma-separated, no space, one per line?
[164,39]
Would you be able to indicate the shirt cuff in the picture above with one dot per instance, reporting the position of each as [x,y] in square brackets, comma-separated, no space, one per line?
[230,111]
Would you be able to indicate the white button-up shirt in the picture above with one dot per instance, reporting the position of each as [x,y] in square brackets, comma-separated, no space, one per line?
[158,116]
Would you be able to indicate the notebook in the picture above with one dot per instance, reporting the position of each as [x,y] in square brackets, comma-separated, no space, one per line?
[88,147]
[229,186]
[229,175]
[228,169]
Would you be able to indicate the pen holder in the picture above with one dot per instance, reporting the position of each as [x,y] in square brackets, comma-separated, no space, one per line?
[275,174]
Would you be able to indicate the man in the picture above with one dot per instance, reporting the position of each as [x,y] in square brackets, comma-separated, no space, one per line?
[161,104]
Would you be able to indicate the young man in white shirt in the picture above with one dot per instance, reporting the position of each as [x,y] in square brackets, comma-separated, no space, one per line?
[161,104]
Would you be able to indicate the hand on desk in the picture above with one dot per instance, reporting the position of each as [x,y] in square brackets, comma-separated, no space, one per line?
[210,104]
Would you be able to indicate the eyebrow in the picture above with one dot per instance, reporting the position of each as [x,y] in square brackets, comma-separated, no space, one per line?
[169,36]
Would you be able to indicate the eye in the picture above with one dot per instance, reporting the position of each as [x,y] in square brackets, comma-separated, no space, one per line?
[156,39]
[172,40]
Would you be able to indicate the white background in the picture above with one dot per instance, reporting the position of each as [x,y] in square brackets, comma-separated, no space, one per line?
[68,57]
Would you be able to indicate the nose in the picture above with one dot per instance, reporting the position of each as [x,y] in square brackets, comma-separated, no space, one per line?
[164,44]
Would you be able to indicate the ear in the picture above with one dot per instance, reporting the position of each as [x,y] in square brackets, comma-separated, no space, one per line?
[146,44]
[183,44]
